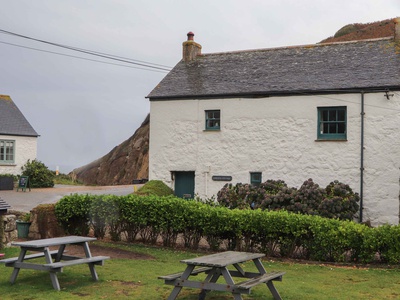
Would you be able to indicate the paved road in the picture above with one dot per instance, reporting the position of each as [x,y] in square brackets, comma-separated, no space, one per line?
[25,201]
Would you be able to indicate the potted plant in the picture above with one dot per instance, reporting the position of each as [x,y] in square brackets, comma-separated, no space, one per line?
[23,225]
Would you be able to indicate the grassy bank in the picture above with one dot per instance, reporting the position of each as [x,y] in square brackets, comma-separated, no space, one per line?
[137,279]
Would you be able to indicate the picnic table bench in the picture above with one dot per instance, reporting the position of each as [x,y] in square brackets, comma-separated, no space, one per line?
[215,266]
[56,260]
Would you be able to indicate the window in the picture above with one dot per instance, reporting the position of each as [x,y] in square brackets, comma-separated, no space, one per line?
[213,120]
[332,123]
[7,151]
[255,178]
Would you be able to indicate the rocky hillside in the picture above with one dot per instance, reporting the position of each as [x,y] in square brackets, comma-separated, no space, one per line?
[123,164]
[366,31]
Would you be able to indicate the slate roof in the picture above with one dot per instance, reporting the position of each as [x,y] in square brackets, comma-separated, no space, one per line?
[320,68]
[12,121]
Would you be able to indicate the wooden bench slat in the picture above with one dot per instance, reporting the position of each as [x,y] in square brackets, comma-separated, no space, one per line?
[177,275]
[260,279]
[88,260]
[30,256]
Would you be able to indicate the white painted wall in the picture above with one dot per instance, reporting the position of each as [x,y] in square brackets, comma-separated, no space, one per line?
[277,136]
[25,148]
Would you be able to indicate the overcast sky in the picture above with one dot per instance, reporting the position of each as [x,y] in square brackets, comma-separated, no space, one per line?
[82,109]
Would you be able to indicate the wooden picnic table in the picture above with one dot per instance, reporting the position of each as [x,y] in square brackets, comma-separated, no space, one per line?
[215,266]
[60,259]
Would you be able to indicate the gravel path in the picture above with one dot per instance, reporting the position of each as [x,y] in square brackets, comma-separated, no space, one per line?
[25,201]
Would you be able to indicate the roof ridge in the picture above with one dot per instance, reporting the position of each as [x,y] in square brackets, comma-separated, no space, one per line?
[299,46]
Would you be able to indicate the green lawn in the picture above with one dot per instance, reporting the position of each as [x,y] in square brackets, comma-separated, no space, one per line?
[137,279]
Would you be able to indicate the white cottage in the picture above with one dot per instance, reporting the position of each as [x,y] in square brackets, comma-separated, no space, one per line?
[18,139]
[325,111]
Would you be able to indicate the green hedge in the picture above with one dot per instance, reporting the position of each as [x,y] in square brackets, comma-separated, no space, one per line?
[276,233]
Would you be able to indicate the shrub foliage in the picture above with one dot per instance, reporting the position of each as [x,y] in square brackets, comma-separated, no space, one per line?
[277,233]
[39,175]
[337,200]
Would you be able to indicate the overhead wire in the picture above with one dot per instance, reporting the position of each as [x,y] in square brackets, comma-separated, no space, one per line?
[95,53]
[83,58]
[348,101]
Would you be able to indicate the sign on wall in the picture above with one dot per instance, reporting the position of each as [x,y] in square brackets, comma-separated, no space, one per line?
[221,178]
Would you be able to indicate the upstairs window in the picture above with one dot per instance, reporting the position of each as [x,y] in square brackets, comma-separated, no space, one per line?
[7,151]
[213,119]
[332,123]
[255,178]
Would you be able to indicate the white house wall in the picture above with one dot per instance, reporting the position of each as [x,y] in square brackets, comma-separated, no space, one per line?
[278,137]
[25,148]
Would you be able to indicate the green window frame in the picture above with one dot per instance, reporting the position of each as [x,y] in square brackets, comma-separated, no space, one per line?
[332,123]
[255,178]
[7,151]
[213,119]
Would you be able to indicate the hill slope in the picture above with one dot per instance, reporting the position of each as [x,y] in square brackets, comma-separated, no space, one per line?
[366,31]
[123,164]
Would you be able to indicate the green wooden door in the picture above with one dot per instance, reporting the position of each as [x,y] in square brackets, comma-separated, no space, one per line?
[184,184]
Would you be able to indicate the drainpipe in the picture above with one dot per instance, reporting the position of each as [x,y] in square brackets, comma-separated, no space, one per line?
[362,158]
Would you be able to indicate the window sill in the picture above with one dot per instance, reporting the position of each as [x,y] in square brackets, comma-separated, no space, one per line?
[8,164]
[212,130]
[328,140]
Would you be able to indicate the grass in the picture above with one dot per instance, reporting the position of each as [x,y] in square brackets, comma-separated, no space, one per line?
[65,179]
[137,279]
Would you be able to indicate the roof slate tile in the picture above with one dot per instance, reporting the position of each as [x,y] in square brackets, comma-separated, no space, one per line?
[12,121]
[367,64]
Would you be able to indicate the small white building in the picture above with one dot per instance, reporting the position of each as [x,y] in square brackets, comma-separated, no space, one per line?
[325,111]
[18,139]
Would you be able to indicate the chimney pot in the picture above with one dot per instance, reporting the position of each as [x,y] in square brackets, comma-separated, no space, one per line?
[190,36]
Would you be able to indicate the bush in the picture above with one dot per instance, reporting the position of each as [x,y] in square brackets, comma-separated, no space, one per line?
[155,187]
[337,200]
[39,175]
[340,202]
[236,196]
[105,212]
[275,233]
[72,213]
[15,178]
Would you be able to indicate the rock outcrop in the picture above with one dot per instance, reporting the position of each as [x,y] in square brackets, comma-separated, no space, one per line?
[358,31]
[123,164]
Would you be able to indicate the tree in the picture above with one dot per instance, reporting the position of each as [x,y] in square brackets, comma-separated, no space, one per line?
[39,174]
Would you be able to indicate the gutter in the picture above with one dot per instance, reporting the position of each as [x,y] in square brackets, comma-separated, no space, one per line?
[266,94]
[362,157]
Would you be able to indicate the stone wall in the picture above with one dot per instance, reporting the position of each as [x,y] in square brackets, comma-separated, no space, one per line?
[43,224]
[10,229]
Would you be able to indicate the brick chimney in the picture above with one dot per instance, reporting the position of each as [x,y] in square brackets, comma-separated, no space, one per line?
[397,29]
[190,48]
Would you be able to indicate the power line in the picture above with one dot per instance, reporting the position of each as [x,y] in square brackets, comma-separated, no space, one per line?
[95,53]
[83,58]
[352,102]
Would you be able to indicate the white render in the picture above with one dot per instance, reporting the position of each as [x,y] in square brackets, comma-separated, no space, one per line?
[277,136]
[25,148]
